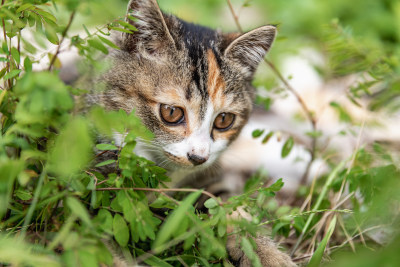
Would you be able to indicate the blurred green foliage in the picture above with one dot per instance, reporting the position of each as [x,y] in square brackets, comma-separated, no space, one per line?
[56,209]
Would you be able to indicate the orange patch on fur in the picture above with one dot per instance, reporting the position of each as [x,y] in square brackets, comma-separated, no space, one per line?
[215,82]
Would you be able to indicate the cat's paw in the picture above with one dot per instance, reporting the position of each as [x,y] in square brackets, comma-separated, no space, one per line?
[267,251]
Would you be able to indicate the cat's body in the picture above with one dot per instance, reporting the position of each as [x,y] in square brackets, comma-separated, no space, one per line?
[191,86]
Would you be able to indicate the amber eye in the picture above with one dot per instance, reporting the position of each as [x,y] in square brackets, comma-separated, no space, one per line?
[224,121]
[171,114]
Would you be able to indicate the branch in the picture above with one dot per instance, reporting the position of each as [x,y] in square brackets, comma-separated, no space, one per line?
[302,103]
[53,59]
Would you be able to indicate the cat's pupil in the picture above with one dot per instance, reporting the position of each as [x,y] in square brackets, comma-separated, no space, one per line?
[224,121]
[171,115]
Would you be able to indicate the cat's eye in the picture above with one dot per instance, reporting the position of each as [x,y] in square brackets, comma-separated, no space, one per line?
[171,115]
[224,121]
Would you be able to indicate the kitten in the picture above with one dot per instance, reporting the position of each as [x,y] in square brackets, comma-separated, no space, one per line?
[190,85]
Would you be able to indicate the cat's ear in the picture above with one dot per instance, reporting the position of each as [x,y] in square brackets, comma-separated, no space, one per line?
[248,49]
[153,35]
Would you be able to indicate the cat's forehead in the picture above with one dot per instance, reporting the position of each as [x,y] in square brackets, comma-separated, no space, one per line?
[205,86]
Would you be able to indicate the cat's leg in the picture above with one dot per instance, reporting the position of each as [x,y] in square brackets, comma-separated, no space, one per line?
[267,251]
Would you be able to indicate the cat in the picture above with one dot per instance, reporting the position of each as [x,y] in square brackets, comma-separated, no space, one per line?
[191,87]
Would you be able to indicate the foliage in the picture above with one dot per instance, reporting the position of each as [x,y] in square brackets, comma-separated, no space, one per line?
[57,209]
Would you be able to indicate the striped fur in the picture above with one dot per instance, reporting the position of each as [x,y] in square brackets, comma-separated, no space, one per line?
[173,62]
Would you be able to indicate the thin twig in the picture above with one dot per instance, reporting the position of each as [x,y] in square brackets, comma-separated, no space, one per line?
[8,55]
[64,34]
[354,237]
[235,17]
[341,223]
[159,190]
[310,116]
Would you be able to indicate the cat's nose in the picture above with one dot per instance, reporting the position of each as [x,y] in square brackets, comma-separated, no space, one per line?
[195,159]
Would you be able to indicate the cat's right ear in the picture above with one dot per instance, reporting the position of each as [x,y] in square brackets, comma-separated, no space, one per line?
[153,35]
[248,49]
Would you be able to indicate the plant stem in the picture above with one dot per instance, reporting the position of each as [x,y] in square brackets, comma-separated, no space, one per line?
[53,59]
[35,200]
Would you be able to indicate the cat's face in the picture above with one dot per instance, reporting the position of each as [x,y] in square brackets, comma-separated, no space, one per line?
[190,85]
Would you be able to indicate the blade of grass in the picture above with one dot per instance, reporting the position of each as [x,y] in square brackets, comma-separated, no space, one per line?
[323,193]
[317,256]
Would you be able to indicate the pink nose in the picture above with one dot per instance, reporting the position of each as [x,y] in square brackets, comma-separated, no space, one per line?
[195,159]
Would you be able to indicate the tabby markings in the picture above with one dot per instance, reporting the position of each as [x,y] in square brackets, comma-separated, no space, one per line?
[215,82]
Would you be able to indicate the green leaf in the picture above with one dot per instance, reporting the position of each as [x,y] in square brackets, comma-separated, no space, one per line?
[172,223]
[27,64]
[121,230]
[108,42]
[3,72]
[287,147]
[46,15]
[15,55]
[104,163]
[24,7]
[317,256]
[267,137]
[72,148]
[98,45]
[121,30]
[314,134]
[210,203]
[79,210]
[343,114]
[51,34]
[127,25]
[24,195]
[257,133]
[11,74]
[106,147]
[105,219]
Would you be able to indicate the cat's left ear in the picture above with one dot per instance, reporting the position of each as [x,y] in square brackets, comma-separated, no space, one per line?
[152,36]
[248,49]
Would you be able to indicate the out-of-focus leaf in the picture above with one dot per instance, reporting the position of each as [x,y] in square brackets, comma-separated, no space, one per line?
[106,147]
[16,252]
[108,42]
[72,148]
[287,147]
[79,210]
[11,74]
[9,170]
[107,162]
[121,230]
[27,64]
[51,34]
[15,54]
[257,133]
[267,137]
[98,45]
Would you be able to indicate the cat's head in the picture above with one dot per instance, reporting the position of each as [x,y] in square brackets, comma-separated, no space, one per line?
[190,85]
